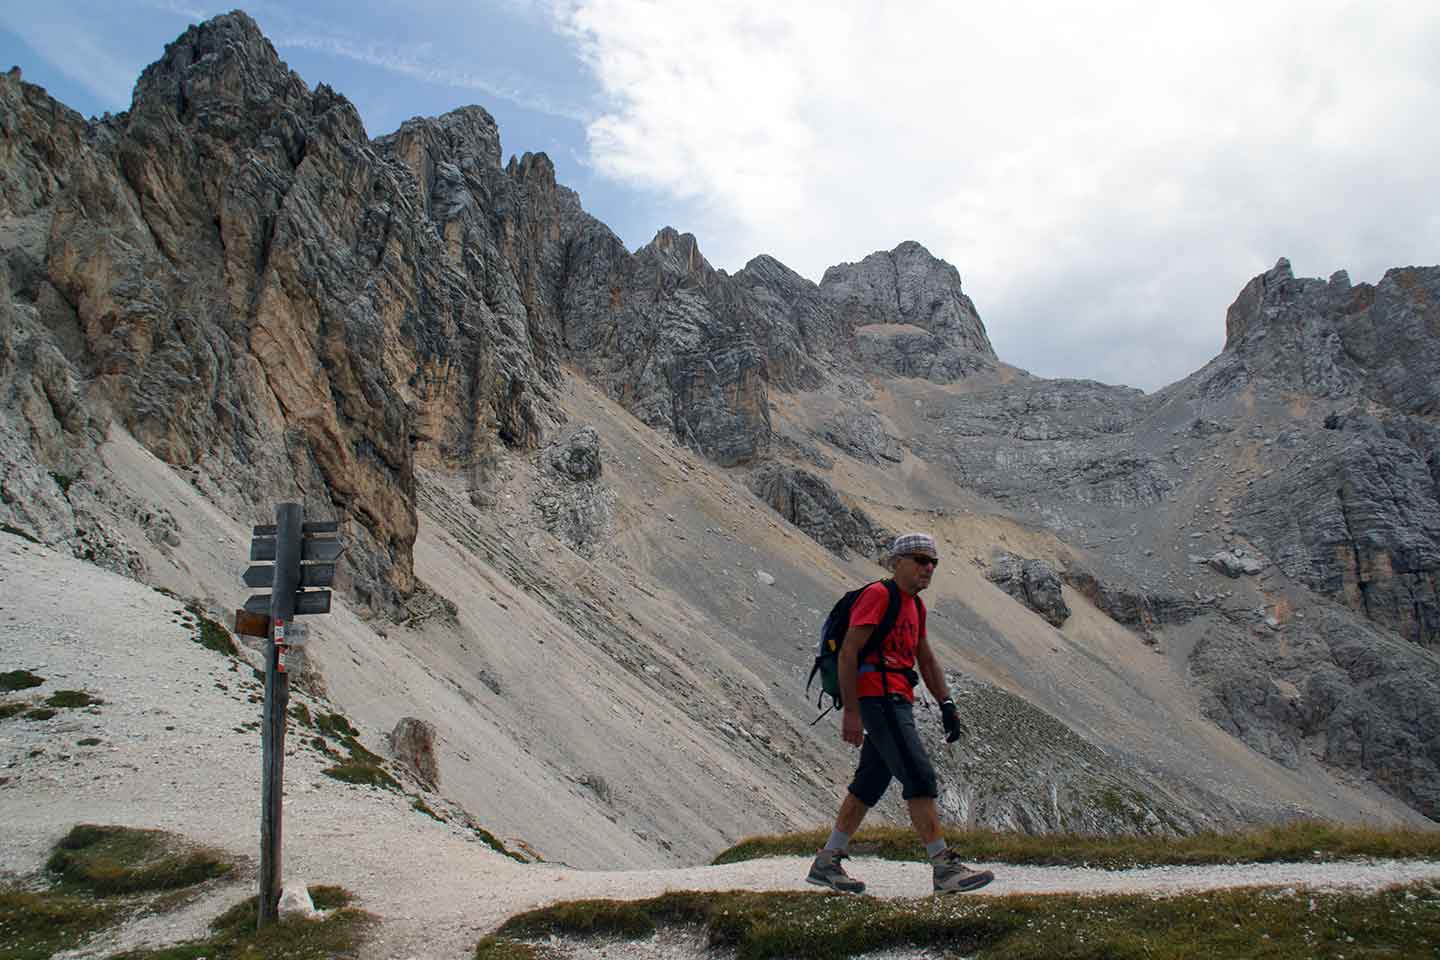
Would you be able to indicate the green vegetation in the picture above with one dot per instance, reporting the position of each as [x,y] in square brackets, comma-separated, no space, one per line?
[99,875]
[106,861]
[71,699]
[362,767]
[493,842]
[1294,842]
[16,531]
[19,680]
[1249,923]
[419,804]
[301,713]
[234,937]
[335,726]
[88,742]
[10,708]
[35,925]
[362,774]
[39,713]
[211,635]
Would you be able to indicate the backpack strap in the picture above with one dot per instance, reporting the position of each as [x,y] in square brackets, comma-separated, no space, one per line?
[882,630]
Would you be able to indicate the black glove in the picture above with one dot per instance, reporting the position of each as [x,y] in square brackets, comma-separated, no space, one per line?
[951,720]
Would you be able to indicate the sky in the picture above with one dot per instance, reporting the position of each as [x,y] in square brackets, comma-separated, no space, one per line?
[1105,176]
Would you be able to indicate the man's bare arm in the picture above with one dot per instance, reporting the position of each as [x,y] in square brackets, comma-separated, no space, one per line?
[851,730]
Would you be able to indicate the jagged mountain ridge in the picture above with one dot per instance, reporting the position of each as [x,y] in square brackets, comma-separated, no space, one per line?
[281,308]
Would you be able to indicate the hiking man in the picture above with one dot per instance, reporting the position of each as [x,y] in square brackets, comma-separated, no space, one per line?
[878,717]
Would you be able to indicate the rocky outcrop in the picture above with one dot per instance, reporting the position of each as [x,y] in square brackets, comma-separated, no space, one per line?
[909,315]
[863,435]
[1235,562]
[1138,610]
[413,744]
[1333,339]
[1332,686]
[812,505]
[572,502]
[1032,582]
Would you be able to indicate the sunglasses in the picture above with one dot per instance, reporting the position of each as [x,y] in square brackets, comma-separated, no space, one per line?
[922,560]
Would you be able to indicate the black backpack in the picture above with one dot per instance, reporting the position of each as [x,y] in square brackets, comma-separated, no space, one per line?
[832,638]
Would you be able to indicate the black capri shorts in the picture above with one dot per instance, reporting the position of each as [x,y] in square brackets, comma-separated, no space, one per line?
[891,750]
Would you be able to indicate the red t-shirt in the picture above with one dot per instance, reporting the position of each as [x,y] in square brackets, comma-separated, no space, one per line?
[899,646]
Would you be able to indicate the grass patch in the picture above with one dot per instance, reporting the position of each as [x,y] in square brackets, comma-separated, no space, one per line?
[34,926]
[493,842]
[212,636]
[362,767]
[71,699]
[1289,843]
[500,948]
[11,708]
[19,680]
[419,804]
[335,725]
[301,713]
[39,713]
[7,528]
[362,774]
[338,934]
[1271,924]
[107,861]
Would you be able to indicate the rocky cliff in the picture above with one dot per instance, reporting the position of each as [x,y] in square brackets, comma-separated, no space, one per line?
[279,307]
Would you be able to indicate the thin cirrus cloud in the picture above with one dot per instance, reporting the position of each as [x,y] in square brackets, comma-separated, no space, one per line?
[1105,178]
[422,62]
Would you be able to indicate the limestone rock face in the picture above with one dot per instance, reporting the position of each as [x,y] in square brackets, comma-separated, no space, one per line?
[1356,514]
[1333,685]
[1357,518]
[910,315]
[259,292]
[1032,582]
[863,435]
[812,505]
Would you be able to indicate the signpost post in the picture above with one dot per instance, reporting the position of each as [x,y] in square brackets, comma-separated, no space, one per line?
[298,559]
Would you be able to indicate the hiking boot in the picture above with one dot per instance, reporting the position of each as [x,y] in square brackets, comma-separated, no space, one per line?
[827,872]
[952,876]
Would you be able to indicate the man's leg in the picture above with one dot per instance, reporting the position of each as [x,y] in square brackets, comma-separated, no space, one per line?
[871,779]
[852,812]
[926,821]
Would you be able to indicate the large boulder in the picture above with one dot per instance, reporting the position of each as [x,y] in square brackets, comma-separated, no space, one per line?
[1032,582]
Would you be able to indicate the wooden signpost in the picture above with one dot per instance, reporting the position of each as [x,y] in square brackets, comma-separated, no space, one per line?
[292,555]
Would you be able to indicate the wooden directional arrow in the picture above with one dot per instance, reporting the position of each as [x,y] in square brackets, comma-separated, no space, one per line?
[311,575]
[312,601]
[310,526]
[306,602]
[321,551]
[260,575]
[318,550]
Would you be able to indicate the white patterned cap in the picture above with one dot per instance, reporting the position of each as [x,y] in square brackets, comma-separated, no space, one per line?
[921,543]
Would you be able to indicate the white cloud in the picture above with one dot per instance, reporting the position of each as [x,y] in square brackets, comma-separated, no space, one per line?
[1105,177]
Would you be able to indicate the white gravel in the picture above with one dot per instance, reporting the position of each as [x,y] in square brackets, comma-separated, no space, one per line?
[175,752]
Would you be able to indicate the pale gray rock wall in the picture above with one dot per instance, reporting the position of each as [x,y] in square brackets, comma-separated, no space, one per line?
[908,286]
[811,504]
[1033,583]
